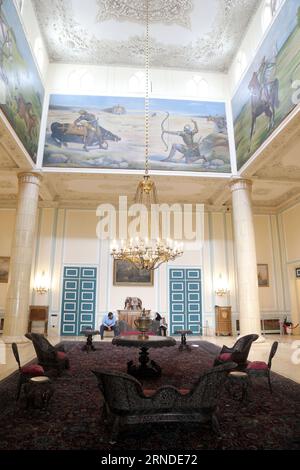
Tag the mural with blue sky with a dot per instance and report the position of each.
(21, 88)
(265, 96)
(109, 132)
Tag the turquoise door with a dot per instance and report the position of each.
(78, 299)
(185, 300)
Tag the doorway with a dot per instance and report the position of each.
(78, 299)
(185, 300)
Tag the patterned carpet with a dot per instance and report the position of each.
(72, 420)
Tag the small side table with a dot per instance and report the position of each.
(89, 339)
(240, 380)
(38, 392)
(183, 343)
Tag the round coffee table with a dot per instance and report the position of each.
(136, 341)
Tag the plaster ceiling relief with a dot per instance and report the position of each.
(172, 11)
(184, 34)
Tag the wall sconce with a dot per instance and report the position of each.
(41, 285)
(222, 288)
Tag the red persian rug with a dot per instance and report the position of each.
(72, 420)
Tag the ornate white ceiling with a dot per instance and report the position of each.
(188, 34)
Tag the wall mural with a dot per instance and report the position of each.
(265, 96)
(21, 90)
(109, 132)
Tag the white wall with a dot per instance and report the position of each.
(98, 80)
(289, 226)
(7, 223)
(68, 237)
(33, 34)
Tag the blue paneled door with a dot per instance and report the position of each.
(185, 300)
(78, 299)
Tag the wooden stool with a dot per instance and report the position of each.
(240, 379)
(38, 392)
(183, 343)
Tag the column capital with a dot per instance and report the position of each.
(238, 182)
(32, 177)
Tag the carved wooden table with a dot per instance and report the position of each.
(89, 333)
(183, 344)
(135, 341)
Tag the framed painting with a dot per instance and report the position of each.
(4, 268)
(126, 274)
(263, 275)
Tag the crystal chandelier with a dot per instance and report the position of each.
(144, 253)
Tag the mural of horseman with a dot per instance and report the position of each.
(85, 129)
(264, 88)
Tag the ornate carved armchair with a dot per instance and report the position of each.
(125, 401)
(49, 357)
(238, 353)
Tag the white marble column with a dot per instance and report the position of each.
(17, 302)
(245, 251)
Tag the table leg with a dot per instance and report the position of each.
(89, 344)
(144, 370)
(183, 344)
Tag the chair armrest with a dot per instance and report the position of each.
(60, 347)
(226, 349)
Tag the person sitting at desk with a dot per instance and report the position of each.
(109, 323)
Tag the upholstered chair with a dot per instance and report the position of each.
(238, 353)
(263, 369)
(50, 357)
(25, 372)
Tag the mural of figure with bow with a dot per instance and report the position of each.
(189, 149)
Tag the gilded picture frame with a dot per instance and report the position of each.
(126, 274)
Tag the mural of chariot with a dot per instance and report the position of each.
(266, 93)
(21, 89)
(108, 132)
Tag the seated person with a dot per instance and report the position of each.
(163, 327)
(157, 317)
(109, 323)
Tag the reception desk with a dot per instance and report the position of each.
(130, 315)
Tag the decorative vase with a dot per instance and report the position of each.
(143, 324)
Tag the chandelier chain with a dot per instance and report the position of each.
(147, 91)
